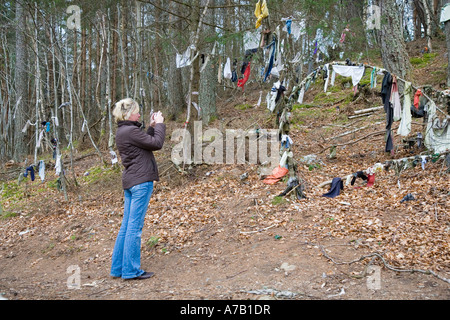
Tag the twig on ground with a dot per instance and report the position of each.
(259, 230)
(388, 266)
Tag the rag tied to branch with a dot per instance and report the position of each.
(261, 12)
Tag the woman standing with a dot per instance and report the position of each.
(136, 151)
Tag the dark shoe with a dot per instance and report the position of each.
(145, 275)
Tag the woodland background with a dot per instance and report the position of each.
(128, 48)
(217, 231)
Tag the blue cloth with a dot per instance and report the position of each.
(288, 25)
(234, 76)
(272, 57)
(31, 170)
(126, 257)
(336, 186)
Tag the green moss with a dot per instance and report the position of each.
(302, 106)
(100, 173)
(7, 214)
(278, 201)
(153, 241)
(12, 192)
(244, 106)
(420, 62)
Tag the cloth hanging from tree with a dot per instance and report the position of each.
(445, 13)
(395, 100)
(261, 12)
(241, 82)
(417, 96)
(344, 33)
(405, 125)
(272, 46)
(327, 77)
(41, 167)
(356, 72)
(386, 90)
(227, 69)
(437, 136)
(288, 26)
(183, 60)
(31, 170)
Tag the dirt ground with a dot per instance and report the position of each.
(211, 234)
(222, 238)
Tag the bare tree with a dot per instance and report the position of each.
(20, 83)
(393, 50)
(447, 38)
(208, 75)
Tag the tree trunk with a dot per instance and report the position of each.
(175, 92)
(20, 84)
(208, 76)
(447, 38)
(195, 17)
(124, 48)
(428, 17)
(393, 50)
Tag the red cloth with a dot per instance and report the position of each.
(417, 98)
(370, 180)
(241, 82)
(277, 174)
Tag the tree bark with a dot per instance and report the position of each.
(428, 17)
(447, 38)
(176, 91)
(208, 76)
(20, 83)
(393, 50)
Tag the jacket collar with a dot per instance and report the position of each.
(129, 123)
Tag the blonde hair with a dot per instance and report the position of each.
(125, 108)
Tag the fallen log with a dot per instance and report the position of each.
(368, 110)
(353, 131)
(354, 141)
(361, 115)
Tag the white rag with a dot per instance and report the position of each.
(445, 13)
(227, 69)
(183, 60)
(356, 72)
(405, 125)
(327, 69)
(301, 95)
(58, 165)
(42, 170)
(437, 136)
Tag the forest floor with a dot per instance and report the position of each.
(210, 234)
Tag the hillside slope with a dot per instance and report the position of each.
(212, 234)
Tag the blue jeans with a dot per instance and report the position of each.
(126, 257)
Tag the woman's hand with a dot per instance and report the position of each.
(156, 118)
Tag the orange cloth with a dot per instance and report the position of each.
(277, 174)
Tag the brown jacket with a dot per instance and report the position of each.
(135, 148)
